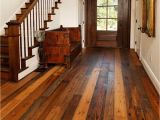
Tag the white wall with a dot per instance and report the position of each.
(8, 9)
(56, 19)
(150, 49)
(69, 13)
(80, 12)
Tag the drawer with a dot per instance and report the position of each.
(58, 50)
(55, 58)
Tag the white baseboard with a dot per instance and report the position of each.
(152, 76)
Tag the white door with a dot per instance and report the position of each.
(83, 23)
(82, 19)
(138, 24)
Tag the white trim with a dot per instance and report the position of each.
(152, 76)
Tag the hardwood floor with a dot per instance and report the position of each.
(103, 83)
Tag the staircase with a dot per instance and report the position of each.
(18, 41)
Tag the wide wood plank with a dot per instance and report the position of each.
(120, 110)
(19, 98)
(71, 108)
(26, 103)
(65, 97)
(82, 109)
(10, 87)
(103, 83)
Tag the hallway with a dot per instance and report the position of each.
(103, 83)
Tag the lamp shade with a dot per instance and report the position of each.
(39, 35)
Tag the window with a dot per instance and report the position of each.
(107, 13)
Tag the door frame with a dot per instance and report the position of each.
(123, 33)
(137, 30)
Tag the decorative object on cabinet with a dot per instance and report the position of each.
(40, 37)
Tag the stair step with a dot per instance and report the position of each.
(18, 16)
(4, 49)
(41, 28)
(51, 13)
(53, 8)
(22, 69)
(4, 60)
(6, 30)
(31, 1)
(59, 1)
(27, 5)
(56, 5)
(48, 20)
(4, 68)
(5, 73)
(4, 63)
(3, 56)
(4, 39)
(26, 58)
(23, 10)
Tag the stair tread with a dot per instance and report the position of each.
(4, 56)
(3, 35)
(51, 13)
(26, 58)
(3, 45)
(48, 20)
(4, 69)
(22, 69)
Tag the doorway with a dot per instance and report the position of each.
(108, 23)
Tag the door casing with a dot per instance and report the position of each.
(123, 33)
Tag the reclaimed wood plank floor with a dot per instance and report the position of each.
(103, 84)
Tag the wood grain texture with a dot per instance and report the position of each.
(19, 98)
(102, 84)
(82, 109)
(26, 104)
(120, 111)
(10, 87)
(71, 107)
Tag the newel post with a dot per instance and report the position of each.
(14, 58)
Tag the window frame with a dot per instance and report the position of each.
(107, 18)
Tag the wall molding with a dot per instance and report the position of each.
(151, 74)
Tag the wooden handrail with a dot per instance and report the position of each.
(27, 11)
(20, 32)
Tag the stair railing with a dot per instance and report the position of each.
(20, 32)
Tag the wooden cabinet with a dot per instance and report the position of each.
(62, 45)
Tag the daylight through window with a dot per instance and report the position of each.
(107, 13)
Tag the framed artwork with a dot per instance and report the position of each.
(148, 17)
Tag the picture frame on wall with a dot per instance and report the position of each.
(148, 18)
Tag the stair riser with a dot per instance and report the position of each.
(53, 10)
(6, 31)
(27, 5)
(49, 17)
(18, 16)
(23, 11)
(4, 50)
(56, 4)
(4, 76)
(4, 40)
(4, 62)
